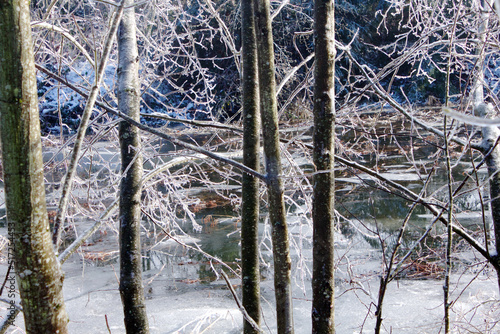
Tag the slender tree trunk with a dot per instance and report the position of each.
(38, 272)
(483, 7)
(490, 134)
(277, 213)
(250, 184)
(447, 304)
(131, 287)
(323, 182)
(490, 137)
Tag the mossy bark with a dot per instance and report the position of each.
(39, 275)
(323, 157)
(277, 214)
(250, 184)
(131, 287)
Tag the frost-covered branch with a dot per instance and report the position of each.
(68, 180)
(397, 106)
(67, 35)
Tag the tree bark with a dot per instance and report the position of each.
(323, 213)
(274, 182)
(39, 275)
(490, 137)
(490, 133)
(131, 287)
(250, 184)
(484, 11)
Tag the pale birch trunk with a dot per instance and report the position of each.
(131, 287)
(39, 275)
(478, 84)
(490, 133)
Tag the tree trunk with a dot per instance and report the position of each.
(490, 134)
(38, 272)
(131, 288)
(323, 182)
(277, 214)
(250, 184)
(490, 137)
(484, 10)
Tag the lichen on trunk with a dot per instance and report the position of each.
(35, 262)
(323, 284)
(131, 287)
(274, 182)
(250, 184)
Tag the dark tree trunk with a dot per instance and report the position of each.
(323, 157)
(250, 184)
(277, 214)
(39, 275)
(131, 288)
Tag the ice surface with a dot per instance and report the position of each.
(188, 306)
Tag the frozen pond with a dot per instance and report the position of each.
(185, 295)
(178, 305)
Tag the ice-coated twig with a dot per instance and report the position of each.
(82, 129)
(67, 35)
(196, 249)
(239, 304)
(472, 120)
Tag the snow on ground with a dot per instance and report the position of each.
(189, 306)
(181, 299)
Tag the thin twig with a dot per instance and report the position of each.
(9, 320)
(107, 324)
(67, 35)
(164, 135)
(197, 249)
(192, 147)
(6, 276)
(393, 103)
(82, 129)
(240, 305)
